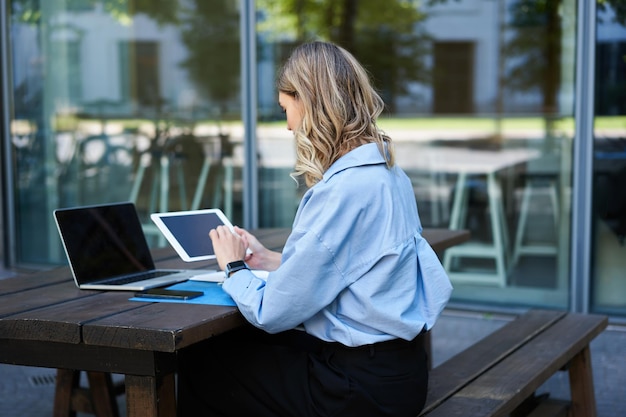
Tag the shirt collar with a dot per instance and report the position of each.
(367, 154)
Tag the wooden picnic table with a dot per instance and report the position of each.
(46, 321)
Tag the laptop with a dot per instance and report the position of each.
(107, 250)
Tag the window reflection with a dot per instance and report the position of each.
(480, 104)
(140, 100)
(117, 101)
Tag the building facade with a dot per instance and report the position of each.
(509, 117)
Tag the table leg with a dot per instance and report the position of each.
(459, 200)
(457, 215)
(202, 178)
(149, 396)
(498, 227)
(66, 382)
(103, 394)
(581, 385)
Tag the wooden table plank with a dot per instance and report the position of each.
(163, 327)
(34, 298)
(442, 239)
(62, 322)
(29, 281)
(86, 357)
(499, 390)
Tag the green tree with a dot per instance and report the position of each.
(163, 11)
(536, 46)
(210, 31)
(537, 39)
(387, 38)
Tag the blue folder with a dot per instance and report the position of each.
(213, 294)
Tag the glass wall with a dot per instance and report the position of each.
(125, 100)
(480, 102)
(609, 164)
(141, 101)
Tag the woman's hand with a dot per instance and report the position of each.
(258, 257)
(228, 246)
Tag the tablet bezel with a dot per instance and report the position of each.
(157, 218)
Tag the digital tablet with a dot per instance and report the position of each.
(188, 231)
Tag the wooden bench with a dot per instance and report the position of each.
(499, 375)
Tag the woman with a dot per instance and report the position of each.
(336, 329)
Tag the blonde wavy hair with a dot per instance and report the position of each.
(340, 107)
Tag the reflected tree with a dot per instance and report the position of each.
(211, 34)
(387, 38)
(162, 11)
(535, 48)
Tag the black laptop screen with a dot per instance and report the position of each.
(103, 241)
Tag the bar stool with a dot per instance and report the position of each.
(534, 188)
(541, 181)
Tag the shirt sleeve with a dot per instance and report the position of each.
(307, 281)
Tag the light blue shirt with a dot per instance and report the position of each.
(355, 268)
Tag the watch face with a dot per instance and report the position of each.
(234, 267)
(236, 264)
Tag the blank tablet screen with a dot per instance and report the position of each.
(188, 232)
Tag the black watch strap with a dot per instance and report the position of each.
(233, 267)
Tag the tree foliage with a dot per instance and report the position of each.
(163, 11)
(387, 38)
(211, 34)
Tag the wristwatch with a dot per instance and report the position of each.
(233, 267)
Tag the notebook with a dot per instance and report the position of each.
(107, 250)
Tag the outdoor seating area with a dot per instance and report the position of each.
(91, 328)
(499, 193)
(512, 361)
(188, 184)
(453, 177)
(29, 392)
